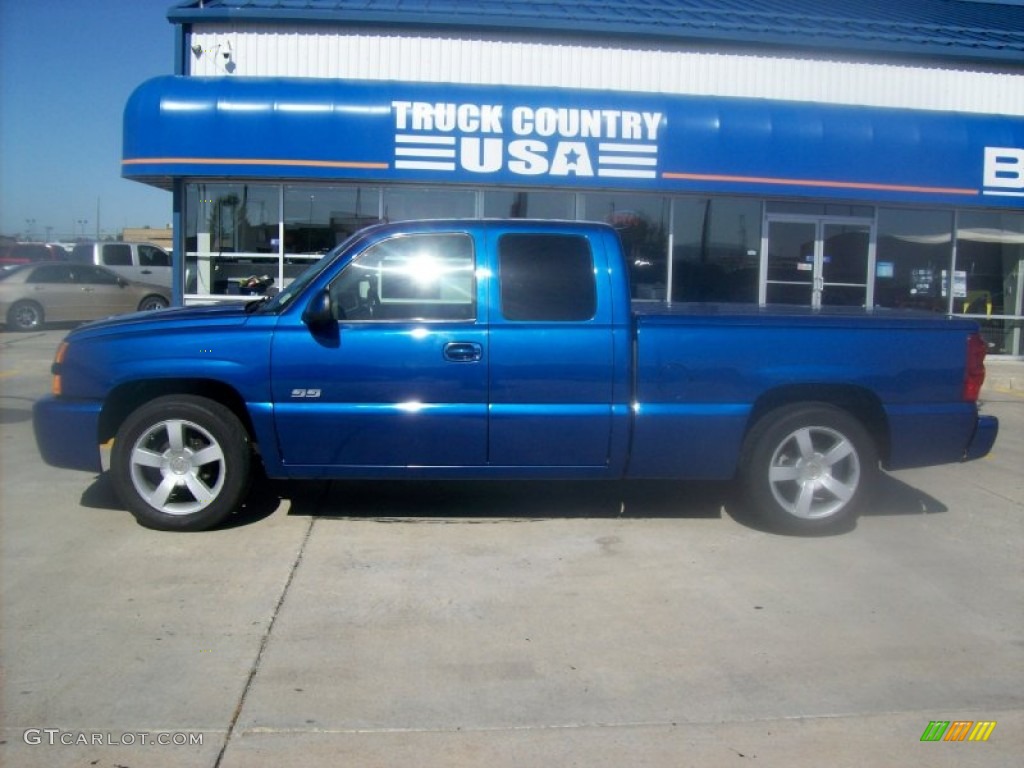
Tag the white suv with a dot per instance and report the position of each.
(141, 262)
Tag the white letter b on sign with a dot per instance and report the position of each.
(1004, 167)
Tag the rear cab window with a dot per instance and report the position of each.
(546, 278)
(151, 256)
(117, 255)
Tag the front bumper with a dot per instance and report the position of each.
(983, 439)
(67, 432)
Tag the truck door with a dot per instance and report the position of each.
(403, 381)
(551, 353)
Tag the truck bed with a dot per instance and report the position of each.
(704, 371)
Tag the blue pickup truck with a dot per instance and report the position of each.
(508, 349)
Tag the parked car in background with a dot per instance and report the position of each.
(29, 253)
(55, 291)
(144, 262)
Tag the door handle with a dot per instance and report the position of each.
(463, 352)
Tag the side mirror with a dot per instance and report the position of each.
(317, 313)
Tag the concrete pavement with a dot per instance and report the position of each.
(1005, 375)
(542, 624)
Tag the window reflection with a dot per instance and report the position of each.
(642, 222)
(413, 277)
(405, 203)
(715, 257)
(229, 238)
(237, 242)
(521, 204)
(989, 277)
(912, 259)
(317, 218)
(233, 233)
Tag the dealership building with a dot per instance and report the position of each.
(809, 152)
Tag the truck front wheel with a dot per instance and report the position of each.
(181, 463)
(808, 468)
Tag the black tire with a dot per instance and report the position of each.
(181, 463)
(153, 302)
(25, 316)
(808, 468)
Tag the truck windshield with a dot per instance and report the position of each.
(298, 285)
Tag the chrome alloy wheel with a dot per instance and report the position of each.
(814, 472)
(177, 467)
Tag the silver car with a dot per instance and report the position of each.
(57, 292)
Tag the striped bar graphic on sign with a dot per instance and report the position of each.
(935, 731)
(958, 730)
(982, 730)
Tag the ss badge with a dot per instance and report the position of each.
(308, 394)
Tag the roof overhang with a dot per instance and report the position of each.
(938, 30)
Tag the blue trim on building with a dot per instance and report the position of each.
(180, 41)
(938, 29)
(277, 129)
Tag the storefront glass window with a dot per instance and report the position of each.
(715, 254)
(821, 209)
(230, 237)
(642, 222)
(317, 218)
(522, 204)
(912, 259)
(989, 276)
(404, 203)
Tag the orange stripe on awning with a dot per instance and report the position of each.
(252, 161)
(821, 183)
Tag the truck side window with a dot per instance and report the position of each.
(409, 277)
(546, 277)
(150, 256)
(116, 255)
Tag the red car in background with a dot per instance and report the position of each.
(30, 253)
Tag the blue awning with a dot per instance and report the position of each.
(299, 129)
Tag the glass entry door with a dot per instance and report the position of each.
(816, 261)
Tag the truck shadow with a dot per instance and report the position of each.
(451, 501)
(530, 501)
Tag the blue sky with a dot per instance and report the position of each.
(67, 68)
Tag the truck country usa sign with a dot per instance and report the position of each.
(353, 131)
(526, 140)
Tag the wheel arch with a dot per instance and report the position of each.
(861, 403)
(127, 397)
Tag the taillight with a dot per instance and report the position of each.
(974, 376)
(58, 359)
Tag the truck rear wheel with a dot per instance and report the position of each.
(181, 463)
(808, 468)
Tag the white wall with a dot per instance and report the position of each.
(337, 52)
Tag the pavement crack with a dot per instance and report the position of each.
(264, 642)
